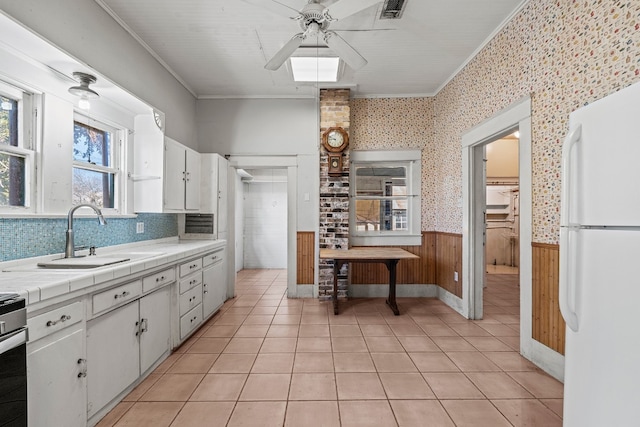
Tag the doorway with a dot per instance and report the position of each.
(474, 146)
(501, 286)
(264, 209)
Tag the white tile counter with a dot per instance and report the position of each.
(43, 286)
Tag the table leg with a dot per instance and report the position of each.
(391, 302)
(336, 270)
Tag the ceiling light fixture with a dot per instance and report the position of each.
(315, 69)
(84, 91)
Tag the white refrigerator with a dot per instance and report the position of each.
(600, 262)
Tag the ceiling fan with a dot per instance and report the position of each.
(315, 19)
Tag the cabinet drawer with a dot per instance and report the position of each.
(212, 258)
(159, 279)
(190, 321)
(190, 267)
(190, 282)
(190, 299)
(116, 296)
(54, 320)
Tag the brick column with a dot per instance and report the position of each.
(334, 192)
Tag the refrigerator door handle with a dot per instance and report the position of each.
(567, 265)
(572, 138)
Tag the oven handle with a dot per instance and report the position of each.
(13, 340)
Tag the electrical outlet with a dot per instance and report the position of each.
(139, 227)
(455, 276)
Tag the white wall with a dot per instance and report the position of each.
(265, 219)
(85, 31)
(257, 126)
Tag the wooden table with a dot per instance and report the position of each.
(386, 256)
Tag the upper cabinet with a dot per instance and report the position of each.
(182, 177)
(166, 173)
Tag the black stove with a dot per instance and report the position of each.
(13, 361)
(10, 302)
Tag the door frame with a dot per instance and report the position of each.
(273, 162)
(516, 116)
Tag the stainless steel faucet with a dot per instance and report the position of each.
(69, 247)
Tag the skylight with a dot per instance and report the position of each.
(314, 69)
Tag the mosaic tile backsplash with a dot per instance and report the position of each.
(25, 237)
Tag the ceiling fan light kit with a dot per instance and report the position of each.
(315, 20)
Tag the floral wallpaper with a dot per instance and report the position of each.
(563, 54)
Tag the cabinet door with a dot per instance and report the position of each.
(192, 183)
(174, 175)
(223, 195)
(155, 335)
(112, 355)
(214, 288)
(56, 392)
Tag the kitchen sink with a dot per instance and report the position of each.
(82, 262)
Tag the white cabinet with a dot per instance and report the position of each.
(155, 328)
(125, 343)
(182, 177)
(214, 191)
(214, 283)
(166, 173)
(56, 369)
(112, 355)
(202, 289)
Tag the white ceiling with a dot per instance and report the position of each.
(218, 48)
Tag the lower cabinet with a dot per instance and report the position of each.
(123, 344)
(214, 289)
(56, 379)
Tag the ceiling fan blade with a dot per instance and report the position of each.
(285, 52)
(275, 7)
(344, 8)
(344, 50)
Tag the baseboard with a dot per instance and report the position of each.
(402, 291)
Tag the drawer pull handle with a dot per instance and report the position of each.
(205, 292)
(122, 295)
(193, 266)
(161, 278)
(62, 318)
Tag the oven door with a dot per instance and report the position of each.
(13, 378)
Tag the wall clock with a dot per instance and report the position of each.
(335, 139)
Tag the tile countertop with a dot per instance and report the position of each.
(37, 285)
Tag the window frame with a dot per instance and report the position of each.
(117, 160)
(27, 120)
(412, 161)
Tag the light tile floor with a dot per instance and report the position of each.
(265, 360)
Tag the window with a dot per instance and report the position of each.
(95, 163)
(16, 156)
(385, 198)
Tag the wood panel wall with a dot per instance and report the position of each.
(409, 271)
(306, 257)
(547, 323)
(449, 260)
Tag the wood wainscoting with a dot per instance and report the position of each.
(548, 326)
(440, 256)
(409, 272)
(449, 260)
(306, 257)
